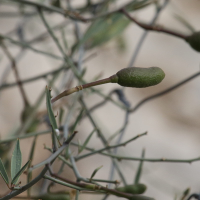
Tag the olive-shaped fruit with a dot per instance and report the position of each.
(133, 189)
(138, 197)
(138, 77)
(194, 41)
(54, 196)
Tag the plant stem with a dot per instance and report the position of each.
(164, 91)
(110, 147)
(93, 187)
(152, 27)
(14, 67)
(81, 87)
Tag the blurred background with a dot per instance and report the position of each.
(172, 120)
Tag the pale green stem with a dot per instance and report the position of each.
(111, 79)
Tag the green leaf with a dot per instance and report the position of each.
(29, 175)
(15, 179)
(185, 194)
(61, 113)
(49, 110)
(77, 120)
(86, 141)
(95, 171)
(16, 160)
(103, 30)
(139, 170)
(51, 118)
(3, 172)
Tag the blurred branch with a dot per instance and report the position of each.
(26, 45)
(102, 137)
(119, 158)
(152, 27)
(93, 187)
(164, 92)
(72, 14)
(143, 36)
(14, 67)
(4, 86)
(110, 147)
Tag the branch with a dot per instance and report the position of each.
(152, 27)
(110, 147)
(164, 92)
(93, 187)
(14, 67)
(4, 86)
(26, 45)
(72, 14)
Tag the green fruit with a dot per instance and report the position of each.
(133, 189)
(194, 41)
(138, 77)
(140, 198)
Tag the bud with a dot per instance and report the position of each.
(138, 77)
(133, 189)
(194, 41)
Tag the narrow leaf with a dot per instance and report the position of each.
(61, 113)
(86, 141)
(79, 145)
(49, 110)
(16, 160)
(15, 179)
(77, 120)
(139, 170)
(3, 172)
(103, 30)
(51, 118)
(95, 171)
(29, 175)
(185, 194)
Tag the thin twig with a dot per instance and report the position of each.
(153, 28)
(144, 35)
(164, 92)
(26, 45)
(14, 67)
(102, 137)
(8, 85)
(93, 187)
(72, 14)
(110, 147)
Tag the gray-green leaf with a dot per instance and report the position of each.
(51, 118)
(86, 142)
(49, 110)
(95, 171)
(103, 30)
(3, 172)
(139, 170)
(15, 179)
(16, 160)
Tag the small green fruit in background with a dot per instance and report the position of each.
(133, 189)
(194, 41)
(138, 77)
